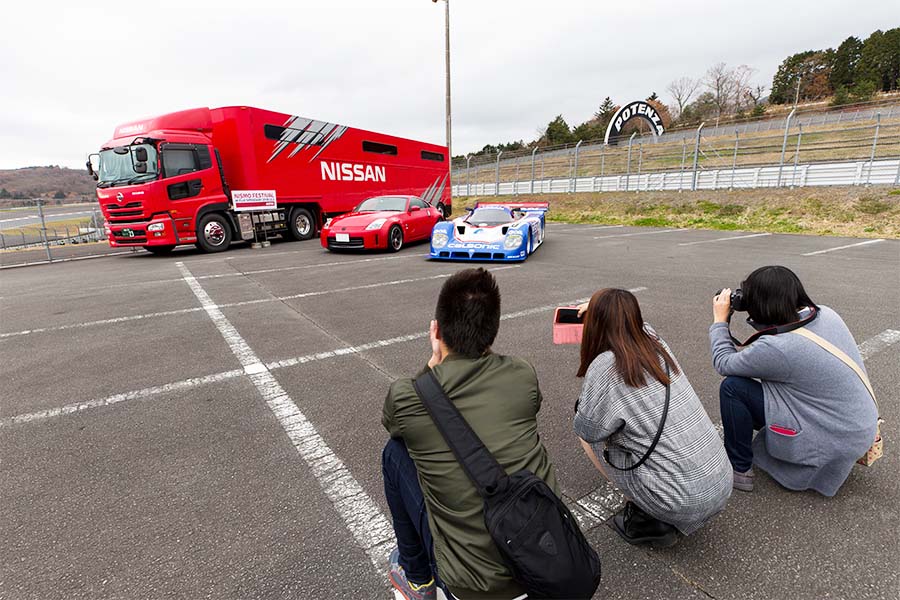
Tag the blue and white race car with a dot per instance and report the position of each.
(501, 231)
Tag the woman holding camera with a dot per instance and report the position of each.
(815, 416)
(643, 427)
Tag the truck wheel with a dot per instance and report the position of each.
(213, 233)
(301, 224)
(159, 250)
(395, 238)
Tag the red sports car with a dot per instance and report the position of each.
(386, 222)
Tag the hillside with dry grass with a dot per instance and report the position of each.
(51, 183)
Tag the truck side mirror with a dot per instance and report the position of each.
(90, 166)
(140, 167)
(140, 154)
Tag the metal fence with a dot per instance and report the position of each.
(807, 150)
(48, 236)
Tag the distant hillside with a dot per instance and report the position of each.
(52, 183)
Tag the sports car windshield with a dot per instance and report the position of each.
(490, 216)
(379, 203)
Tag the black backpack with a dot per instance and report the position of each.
(536, 535)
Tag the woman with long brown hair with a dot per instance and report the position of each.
(643, 427)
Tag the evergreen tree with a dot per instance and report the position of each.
(879, 60)
(785, 80)
(558, 132)
(846, 59)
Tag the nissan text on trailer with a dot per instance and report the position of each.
(178, 178)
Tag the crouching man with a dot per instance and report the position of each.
(437, 513)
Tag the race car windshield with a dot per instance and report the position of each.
(380, 203)
(490, 216)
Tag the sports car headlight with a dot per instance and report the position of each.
(376, 224)
(513, 240)
(439, 239)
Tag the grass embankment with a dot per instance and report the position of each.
(852, 212)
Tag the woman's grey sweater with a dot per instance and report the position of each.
(811, 391)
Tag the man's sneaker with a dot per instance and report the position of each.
(637, 527)
(743, 481)
(408, 589)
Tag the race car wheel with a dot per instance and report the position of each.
(214, 233)
(301, 224)
(395, 238)
(159, 250)
(530, 245)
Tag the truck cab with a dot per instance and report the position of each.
(155, 188)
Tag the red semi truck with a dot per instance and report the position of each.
(173, 179)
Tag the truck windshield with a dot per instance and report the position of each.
(118, 169)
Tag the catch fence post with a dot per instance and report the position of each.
(497, 187)
(734, 159)
(787, 127)
(696, 157)
(531, 187)
(542, 173)
(468, 176)
(574, 186)
(602, 164)
(640, 165)
(2, 242)
(874, 146)
(628, 168)
(516, 183)
(797, 153)
(683, 159)
(40, 204)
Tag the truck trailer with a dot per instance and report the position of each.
(174, 179)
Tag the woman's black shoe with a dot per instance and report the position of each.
(637, 527)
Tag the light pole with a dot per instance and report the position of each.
(447, 67)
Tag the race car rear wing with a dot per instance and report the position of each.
(529, 207)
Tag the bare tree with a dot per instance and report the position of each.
(682, 90)
(719, 80)
(756, 92)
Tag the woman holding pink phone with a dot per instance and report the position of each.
(643, 427)
(794, 381)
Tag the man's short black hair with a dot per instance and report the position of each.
(468, 312)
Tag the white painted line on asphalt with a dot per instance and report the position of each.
(64, 260)
(725, 239)
(181, 311)
(279, 364)
(68, 409)
(874, 345)
(867, 242)
(373, 532)
(618, 235)
(586, 228)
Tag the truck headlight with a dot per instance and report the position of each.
(376, 224)
(439, 239)
(513, 240)
(156, 227)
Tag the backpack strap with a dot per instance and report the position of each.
(840, 354)
(485, 473)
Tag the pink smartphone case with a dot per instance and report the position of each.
(566, 333)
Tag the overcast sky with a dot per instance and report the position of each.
(71, 71)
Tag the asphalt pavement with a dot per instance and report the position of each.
(208, 426)
(13, 219)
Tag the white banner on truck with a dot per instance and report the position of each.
(254, 200)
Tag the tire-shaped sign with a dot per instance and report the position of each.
(634, 110)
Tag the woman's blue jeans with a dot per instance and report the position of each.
(743, 412)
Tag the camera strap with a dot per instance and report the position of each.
(776, 329)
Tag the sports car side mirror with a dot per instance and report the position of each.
(413, 209)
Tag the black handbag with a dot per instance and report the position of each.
(535, 533)
(662, 423)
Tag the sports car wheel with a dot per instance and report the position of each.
(443, 210)
(395, 238)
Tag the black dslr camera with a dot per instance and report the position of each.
(737, 299)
